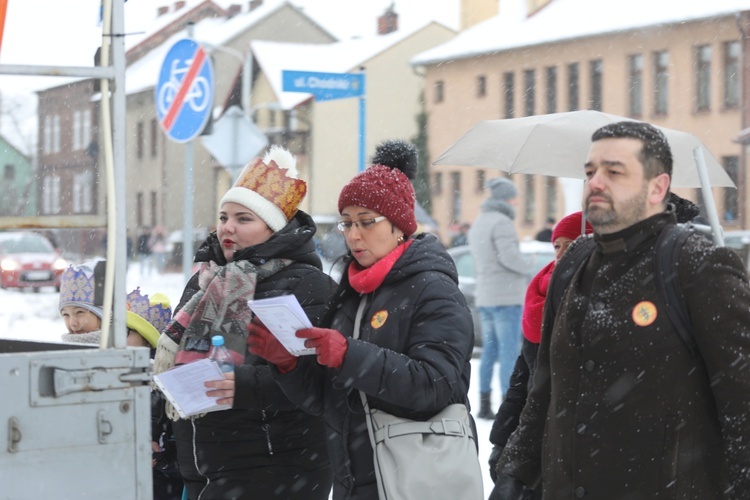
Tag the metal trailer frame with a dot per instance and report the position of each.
(77, 419)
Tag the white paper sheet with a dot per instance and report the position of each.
(283, 316)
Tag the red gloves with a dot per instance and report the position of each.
(262, 343)
(330, 345)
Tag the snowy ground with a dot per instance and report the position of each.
(34, 316)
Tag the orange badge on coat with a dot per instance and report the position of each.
(379, 319)
(644, 313)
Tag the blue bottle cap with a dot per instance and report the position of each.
(217, 340)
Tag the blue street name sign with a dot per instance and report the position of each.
(185, 91)
(324, 86)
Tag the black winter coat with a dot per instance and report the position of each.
(622, 409)
(412, 359)
(265, 446)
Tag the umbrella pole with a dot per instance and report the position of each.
(708, 197)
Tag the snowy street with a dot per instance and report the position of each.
(30, 316)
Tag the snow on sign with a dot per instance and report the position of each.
(184, 92)
(324, 86)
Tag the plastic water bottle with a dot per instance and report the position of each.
(221, 354)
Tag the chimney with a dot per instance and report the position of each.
(254, 4)
(233, 10)
(388, 22)
(160, 11)
(179, 4)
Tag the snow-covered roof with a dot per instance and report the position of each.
(144, 73)
(338, 57)
(569, 19)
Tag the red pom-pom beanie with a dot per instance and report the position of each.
(385, 190)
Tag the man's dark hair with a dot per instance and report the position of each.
(656, 155)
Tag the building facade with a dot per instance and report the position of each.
(681, 73)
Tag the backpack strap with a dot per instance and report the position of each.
(566, 268)
(668, 248)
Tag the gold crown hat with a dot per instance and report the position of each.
(77, 288)
(270, 188)
(147, 316)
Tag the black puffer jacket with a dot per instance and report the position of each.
(412, 359)
(265, 445)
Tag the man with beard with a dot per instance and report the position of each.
(621, 406)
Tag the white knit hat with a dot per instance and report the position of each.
(270, 188)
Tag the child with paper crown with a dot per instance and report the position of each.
(264, 446)
(81, 302)
(146, 317)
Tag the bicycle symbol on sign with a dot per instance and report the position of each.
(197, 96)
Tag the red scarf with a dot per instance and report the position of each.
(368, 279)
(536, 294)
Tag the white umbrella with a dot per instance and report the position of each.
(557, 145)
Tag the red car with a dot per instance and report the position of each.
(28, 260)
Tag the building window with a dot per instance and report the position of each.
(139, 140)
(139, 209)
(597, 68)
(731, 74)
(439, 91)
(481, 86)
(731, 199)
(635, 85)
(703, 78)
(51, 194)
(9, 173)
(551, 197)
(509, 92)
(529, 90)
(552, 89)
(529, 200)
(82, 193)
(154, 210)
(661, 77)
(455, 196)
(47, 144)
(77, 130)
(56, 134)
(86, 129)
(437, 187)
(573, 86)
(481, 179)
(154, 138)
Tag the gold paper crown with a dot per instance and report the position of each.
(278, 194)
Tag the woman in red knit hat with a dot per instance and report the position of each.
(412, 355)
(506, 420)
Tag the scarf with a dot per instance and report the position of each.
(533, 306)
(83, 338)
(218, 308)
(367, 280)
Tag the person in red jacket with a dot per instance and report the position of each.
(506, 419)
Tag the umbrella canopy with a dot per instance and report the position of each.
(557, 145)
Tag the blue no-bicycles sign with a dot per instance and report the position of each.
(185, 91)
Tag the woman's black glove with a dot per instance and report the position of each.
(494, 458)
(507, 488)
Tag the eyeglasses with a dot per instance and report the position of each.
(363, 224)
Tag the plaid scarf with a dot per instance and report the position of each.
(218, 308)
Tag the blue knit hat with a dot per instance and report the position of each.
(78, 288)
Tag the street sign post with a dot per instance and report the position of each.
(328, 86)
(184, 103)
(235, 140)
(185, 91)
